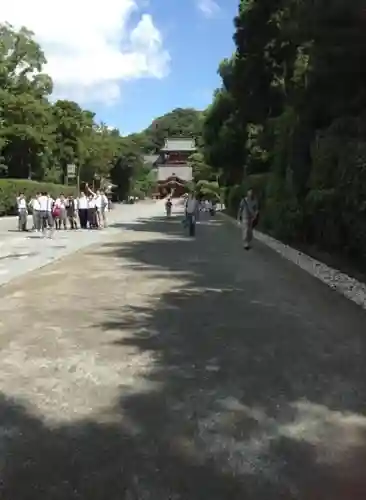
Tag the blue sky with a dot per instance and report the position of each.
(130, 61)
(196, 44)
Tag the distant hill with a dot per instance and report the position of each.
(181, 122)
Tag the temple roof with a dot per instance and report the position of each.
(179, 144)
(183, 172)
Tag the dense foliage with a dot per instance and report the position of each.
(291, 112)
(39, 138)
(181, 122)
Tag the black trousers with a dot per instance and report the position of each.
(83, 217)
(92, 217)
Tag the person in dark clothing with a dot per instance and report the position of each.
(92, 213)
(71, 212)
(168, 207)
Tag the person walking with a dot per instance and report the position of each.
(248, 217)
(191, 211)
(168, 207)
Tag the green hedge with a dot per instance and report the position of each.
(10, 189)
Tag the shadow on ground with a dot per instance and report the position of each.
(258, 387)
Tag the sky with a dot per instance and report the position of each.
(130, 61)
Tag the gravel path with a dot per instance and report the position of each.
(21, 253)
(158, 367)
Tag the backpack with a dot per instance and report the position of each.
(56, 211)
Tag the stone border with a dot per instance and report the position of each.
(340, 282)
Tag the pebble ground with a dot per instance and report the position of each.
(154, 366)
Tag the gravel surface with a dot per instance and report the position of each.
(340, 282)
(154, 366)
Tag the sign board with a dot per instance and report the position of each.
(71, 170)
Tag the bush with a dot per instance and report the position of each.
(234, 196)
(210, 189)
(284, 219)
(10, 189)
(282, 215)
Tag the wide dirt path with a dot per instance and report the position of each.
(24, 252)
(159, 367)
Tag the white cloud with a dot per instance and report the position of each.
(209, 8)
(90, 46)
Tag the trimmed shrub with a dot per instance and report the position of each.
(10, 189)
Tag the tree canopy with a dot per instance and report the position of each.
(180, 122)
(289, 117)
(39, 138)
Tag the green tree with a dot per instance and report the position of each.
(201, 171)
(25, 111)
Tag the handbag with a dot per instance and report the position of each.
(255, 219)
(56, 211)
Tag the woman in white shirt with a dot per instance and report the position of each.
(59, 212)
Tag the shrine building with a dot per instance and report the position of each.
(173, 171)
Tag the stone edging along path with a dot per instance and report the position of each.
(351, 288)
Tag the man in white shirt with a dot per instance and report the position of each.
(92, 212)
(22, 212)
(97, 201)
(191, 209)
(34, 204)
(45, 212)
(82, 205)
(102, 208)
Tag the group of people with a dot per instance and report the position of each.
(248, 215)
(88, 211)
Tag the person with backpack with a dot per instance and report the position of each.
(59, 212)
(248, 216)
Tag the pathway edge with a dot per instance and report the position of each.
(342, 283)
